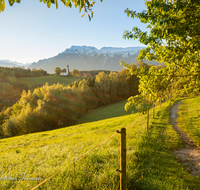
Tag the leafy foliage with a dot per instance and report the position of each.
(93, 73)
(11, 90)
(86, 5)
(50, 107)
(174, 34)
(174, 41)
(19, 72)
(75, 72)
(57, 70)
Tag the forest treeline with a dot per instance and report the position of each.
(22, 72)
(55, 106)
(12, 90)
(95, 72)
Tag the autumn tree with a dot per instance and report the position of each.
(174, 41)
(173, 38)
(57, 70)
(76, 72)
(90, 81)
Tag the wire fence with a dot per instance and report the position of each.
(86, 154)
(110, 180)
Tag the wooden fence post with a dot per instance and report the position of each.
(123, 159)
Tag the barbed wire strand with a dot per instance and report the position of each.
(110, 181)
(91, 150)
(45, 180)
(81, 157)
(102, 142)
(74, 161)
(94, 147)
(134, 121)
(116, 170)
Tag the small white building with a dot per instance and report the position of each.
(65, 71)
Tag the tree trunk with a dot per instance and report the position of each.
(147, 120)
(160, 102)
(153, 111)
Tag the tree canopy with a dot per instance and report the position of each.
(174, 41)
(76, 72)
(57, 70)
(174, 32)
(49, 107)
(86, 5)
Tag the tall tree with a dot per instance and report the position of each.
(57, 70)
(173, 40)
(174, 31)
(76, 72)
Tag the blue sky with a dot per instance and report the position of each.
(30, 31)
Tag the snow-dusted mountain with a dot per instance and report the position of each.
(89, 58)
(106, 51)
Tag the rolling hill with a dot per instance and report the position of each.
(69, 158)
(30, 81)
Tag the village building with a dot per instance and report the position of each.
(85, 75)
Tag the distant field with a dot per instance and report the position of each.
(151, 164)
(30, 81)
(113, 110)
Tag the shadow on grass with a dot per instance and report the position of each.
(154, 165)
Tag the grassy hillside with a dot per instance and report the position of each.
(150, 162)
(113, 110)
(30, 81)
(189, 118)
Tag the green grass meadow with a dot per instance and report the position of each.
(189, 118)
(151, 164)
(30, 81)
(109, 111)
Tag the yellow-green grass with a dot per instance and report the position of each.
(30, 81)
(189, 118)
(109, 111)
(150, 162)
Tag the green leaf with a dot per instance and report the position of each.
(56, 4)
(89, 17)
(49, 4)
(11, 2)
(2, 5)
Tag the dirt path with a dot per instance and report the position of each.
(190, 154)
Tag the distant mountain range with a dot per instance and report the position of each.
(90, 58)
(86, 58)
(8, 63)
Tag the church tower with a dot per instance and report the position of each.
(67, 72)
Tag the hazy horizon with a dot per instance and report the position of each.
(32, 32)
(14, 61)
